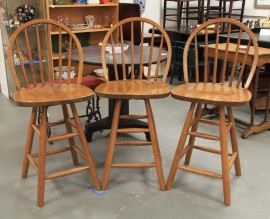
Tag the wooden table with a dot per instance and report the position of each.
(264, 57)
(92, 56)
(183, 33)
(180, 34)
(263, 40)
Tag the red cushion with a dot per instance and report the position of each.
(88, 81)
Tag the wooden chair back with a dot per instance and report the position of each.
(31, 57)
(223, 57)
(130, 64)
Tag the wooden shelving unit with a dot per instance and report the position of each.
(84, 5)
(76, 15)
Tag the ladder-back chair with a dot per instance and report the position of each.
(233, 59)
(177, 60)
(225, 9)
(37, 86)
(128, 80)
(179, 10)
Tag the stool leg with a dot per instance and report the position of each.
(179, 14)
(97, 111)
(85, 147)
(173, 73)
(193, 129)
(29, 142)
(207, 10)
(155, 146)
(230, 9)
(42, 157)
(111, 145)
(178, 153)
(93, 109)
(224, 157)
(187, 13)
(89, 111)
(164, 13)
(234, 143)
(69, 130)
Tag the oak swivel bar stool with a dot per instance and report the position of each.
(220, 93)
(135, 84)
(37, 87)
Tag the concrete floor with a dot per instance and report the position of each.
(133, 193)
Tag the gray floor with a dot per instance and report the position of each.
(133, 193)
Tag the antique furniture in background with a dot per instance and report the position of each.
(225, 9)
(74, 16)
(260, 86)
(187, 10)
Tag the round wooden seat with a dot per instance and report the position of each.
(133, 89)
(52, 94)
(208, 93)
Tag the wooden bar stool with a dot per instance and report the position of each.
(38, 87)
(136, 84)
(214, 90)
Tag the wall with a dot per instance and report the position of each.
(251, 11)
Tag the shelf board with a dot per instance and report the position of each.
(56, 56)
(28, 62)
(84, 5)
(84, 31)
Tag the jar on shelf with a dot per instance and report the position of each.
(108, 19)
